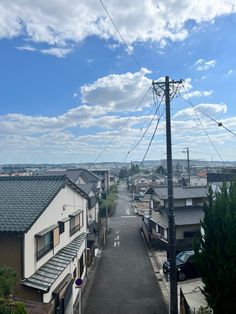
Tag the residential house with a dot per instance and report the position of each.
(90, 184)
(104, 176)
(188, 205)
(114, 178)
(215, 180)
(142, 182)
(43, 231)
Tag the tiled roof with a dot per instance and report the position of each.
(74, 174)
(23, 199)
(87, 188)
(47, 274)
(220, 177)
(182, 192)
(186, 215)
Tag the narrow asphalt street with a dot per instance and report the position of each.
(125, 282)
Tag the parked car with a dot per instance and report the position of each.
(136, 197)
(185, 266)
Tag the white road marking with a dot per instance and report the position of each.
(128, 216)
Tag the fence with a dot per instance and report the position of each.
(184, 307)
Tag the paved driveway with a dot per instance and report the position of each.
(125, 282)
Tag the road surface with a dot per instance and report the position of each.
(124, 282)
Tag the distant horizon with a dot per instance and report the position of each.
(117, 162)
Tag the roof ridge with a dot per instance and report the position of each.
(43, 177)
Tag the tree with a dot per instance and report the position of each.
(161, 170)
(134, 169)
(215, 250)
(8, 280)
(123, 173)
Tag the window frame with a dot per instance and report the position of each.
(76, 222)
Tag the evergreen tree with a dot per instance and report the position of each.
(215, 251)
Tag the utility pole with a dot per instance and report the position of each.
(188, 164)
(165, 87)
(107, 213)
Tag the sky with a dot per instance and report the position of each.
(74, 89)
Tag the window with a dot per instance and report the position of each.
(190, 234)
(44, 244)
(76, 222)
(46, 240)
(161, 230)
(81, 265)
(61, 227)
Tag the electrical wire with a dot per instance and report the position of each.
(122, 126)
(154, 115)
(197, 115)
(121, 37)
(153, 135)
(220, 124)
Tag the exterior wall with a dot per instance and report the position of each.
(177, 203)
(181, 229)
(104, 176)
(80, 180)
(11, 248)
(65, 203)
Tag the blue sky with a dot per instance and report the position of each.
(68, 84)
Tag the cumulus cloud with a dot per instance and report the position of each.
(207, 108)
(108, 109)
(203, 65)
(118, 92)
(60, 23)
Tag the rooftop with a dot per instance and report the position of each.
(180, 192)
(23, 199)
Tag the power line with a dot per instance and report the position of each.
(153, 135)
(220, 124)
(121, 37)
(208, 136)
(154, 115)
(122, 126)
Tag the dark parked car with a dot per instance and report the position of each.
(186, 267)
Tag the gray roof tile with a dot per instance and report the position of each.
(23, 199)
(182, 192)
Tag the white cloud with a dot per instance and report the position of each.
(107, 111)
(60, 23)
(26, 47)
(207, 108)
(198, 93)
(56, 51)
(118, 92)
(203, 65)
